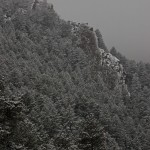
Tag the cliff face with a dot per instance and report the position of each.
(114, 63)
(105, 57)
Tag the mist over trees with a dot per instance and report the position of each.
(55, 94)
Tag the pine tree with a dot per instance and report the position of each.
(101, 43)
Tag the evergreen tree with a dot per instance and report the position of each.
(101, 43)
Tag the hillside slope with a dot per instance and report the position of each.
(61, 89)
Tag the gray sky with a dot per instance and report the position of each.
(124, 24)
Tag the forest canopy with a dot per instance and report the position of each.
(57, 91)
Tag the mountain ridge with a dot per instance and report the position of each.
(60, 87)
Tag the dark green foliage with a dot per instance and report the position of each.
(17, 131)
(123, 59)
(101, 43)
(54, 93)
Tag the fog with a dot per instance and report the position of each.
(124, 24)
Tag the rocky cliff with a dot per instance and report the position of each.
(105, 58)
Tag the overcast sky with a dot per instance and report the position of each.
(124, 24)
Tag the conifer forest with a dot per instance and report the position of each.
(61, 88)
